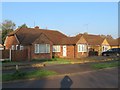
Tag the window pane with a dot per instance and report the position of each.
(13, 47)
(21, 47)
(47, 48)
(36, 48)
(42, 48)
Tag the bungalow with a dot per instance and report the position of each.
(72, 47)
(42, 43)
(96, 43)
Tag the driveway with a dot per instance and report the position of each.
(106, 78)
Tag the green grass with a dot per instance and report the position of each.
(105, 65)
(27, 75)
(58, 61)
(53, 61)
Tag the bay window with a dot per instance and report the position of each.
(42, 48)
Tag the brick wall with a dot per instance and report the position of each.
(9, 41)
(80, 54)
(41, 40)
(70, 51)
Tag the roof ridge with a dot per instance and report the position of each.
(14, 32)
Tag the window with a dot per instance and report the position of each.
(42, 48)
(12, 48)
(105, 48)
(16, 47)
(47, 48)
(21, 47)
(82, 48)
(36, 48)
(56, 48)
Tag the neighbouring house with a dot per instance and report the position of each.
(96, 43)
(71, 47)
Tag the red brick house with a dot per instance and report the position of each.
(42, 43)
(72, 47)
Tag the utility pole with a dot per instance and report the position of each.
(34, 23)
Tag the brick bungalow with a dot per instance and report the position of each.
(42, 43)
(96, 43)
(72, 47)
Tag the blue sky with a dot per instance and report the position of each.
(69, 18)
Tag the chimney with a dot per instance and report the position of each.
(36, 27)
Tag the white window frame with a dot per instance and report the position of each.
(39, 48)
(21, 47)
(13, 47)
(56, 48)
(105, 48)
(47, 48)
(16, 48)
(82, 48)
(36, 48)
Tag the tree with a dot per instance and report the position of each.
(109, 37)
(7, 27)
(85, 33)
(23, 25)
(103, 36)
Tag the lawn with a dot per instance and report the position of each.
(27, 75)
(105, 65)
(58, 61)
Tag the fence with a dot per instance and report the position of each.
(5, 54)
(15, 55)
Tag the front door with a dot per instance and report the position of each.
(64, 50)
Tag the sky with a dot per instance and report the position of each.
(69, 18)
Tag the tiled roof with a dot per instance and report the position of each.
(114, 42)
(71, 40)
(92, 39)
(29, 35)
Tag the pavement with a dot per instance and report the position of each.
(59, 68)
(105, 78)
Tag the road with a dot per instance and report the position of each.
(107, 78)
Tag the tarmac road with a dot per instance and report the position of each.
(106, 78)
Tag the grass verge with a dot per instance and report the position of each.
(105, 65)
(27, 75)
(58, 61)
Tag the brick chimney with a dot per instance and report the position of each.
(36, 27)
